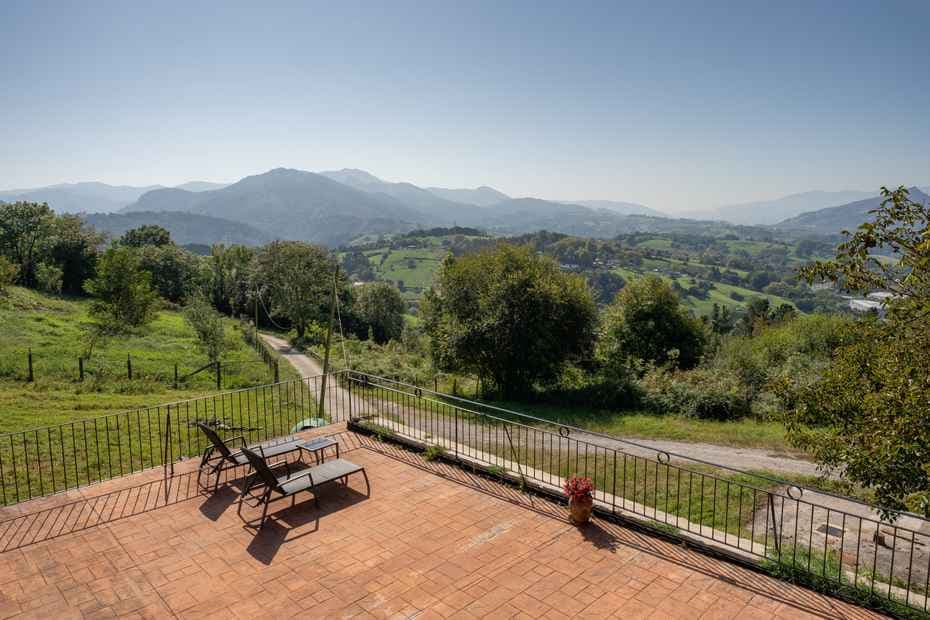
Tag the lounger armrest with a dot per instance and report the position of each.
(232, 439)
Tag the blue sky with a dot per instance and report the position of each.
(679, 105)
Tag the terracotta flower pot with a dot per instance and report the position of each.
(580, 509)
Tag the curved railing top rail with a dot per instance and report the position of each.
(772, 479)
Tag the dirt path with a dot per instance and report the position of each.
(337, 398)
(739, 458)
(305, 365)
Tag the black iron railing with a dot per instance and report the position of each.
(51, 459)
(834, 540)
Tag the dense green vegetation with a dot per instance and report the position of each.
(704, 270)
(868, 412)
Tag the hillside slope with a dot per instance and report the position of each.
(483, 196)
(623, 208)
(293, 204)
(432, 207)
(844, 217)
(773, 211)
(185, 228)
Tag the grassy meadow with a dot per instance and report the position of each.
(53, 328)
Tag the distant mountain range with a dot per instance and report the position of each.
(91, 197)
(849, 216)
(291, 204)
(333, 207)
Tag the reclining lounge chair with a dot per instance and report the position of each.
(292, 484)
(219, 456)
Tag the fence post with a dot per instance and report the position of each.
(129, 366)
(218, 376)
(435, 384)
(81, 367)
(175, 375)
(29, 359)
(276, 380)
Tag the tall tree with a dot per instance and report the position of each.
(868, 415)
(509, 315)
(648, 322)
(380, 308)
(295, 280)
(24, 229)
(74, 247)
(123, 291)
(230, 278)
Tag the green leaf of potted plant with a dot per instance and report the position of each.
(580, 491)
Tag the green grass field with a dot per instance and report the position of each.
(53, 328)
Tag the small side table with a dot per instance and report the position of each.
(317, 447)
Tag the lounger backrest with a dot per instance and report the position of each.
(214, 439)
(261, 468)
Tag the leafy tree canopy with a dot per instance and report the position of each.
(295, 279)
(868, 415)
(509, 315)
(123, 291)
(149, 234)
(648, 322)
(24, 229)
(380, 308)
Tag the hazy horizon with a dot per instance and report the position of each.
(675, 106)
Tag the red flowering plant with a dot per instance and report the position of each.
(578, 487)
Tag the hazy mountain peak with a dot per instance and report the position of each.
(352, 176)
(483, 196)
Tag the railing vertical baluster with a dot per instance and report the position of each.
(39, 463)
(15, 469)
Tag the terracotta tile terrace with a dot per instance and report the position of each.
(432, 541)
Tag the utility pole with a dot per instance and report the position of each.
(256, 313)
(329, 335)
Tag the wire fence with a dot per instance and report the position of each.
(25, 365)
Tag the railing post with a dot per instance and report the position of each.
(175, 375)
(219, 381)
(81, 367)
(351, 417)
(129, 366)
(29, 363)
(169, 453)
(775, 525)
(276, 373)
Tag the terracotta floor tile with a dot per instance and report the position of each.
(432, 541)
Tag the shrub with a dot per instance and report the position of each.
(8, 273)
(699, 393)
(433, 452)
(49, 278)
(208, 324)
